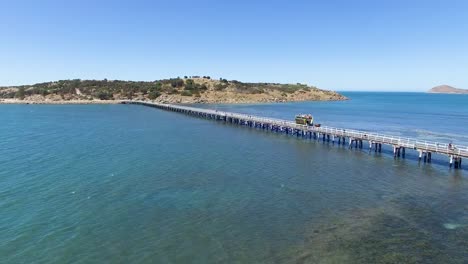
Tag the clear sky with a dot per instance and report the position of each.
(340, 45)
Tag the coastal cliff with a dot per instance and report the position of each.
(192, 89)
(447, 90)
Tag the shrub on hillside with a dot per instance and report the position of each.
(104, 95)
(186, 93)
(20, 93)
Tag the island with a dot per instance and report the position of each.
(189, 89)
(446, 89)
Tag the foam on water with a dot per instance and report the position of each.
(452, 226)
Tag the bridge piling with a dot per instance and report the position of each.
(356, 138)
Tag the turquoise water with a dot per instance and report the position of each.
(131, 184)
(434, 117)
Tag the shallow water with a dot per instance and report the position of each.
(122, 183)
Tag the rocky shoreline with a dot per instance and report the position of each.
(208, 98)
(169, 101)
(228, 97)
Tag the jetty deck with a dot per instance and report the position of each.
(353, 138)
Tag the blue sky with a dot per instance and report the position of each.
(341, 45)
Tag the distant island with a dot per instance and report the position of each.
(446, 89)
(189, 89)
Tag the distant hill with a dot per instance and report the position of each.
(190, 89)
(447, 90)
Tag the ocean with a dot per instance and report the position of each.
(133, 184)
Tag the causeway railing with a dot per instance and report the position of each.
(428, 146)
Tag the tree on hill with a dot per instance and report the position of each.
(155, 91)
(157, 86)
(177, 82)
(189, 84)
(154, 94)
(20, 93)
(103, 95)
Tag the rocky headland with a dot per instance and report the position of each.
(193, 89)
(446, 89)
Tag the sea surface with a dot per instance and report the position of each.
(132, 184)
